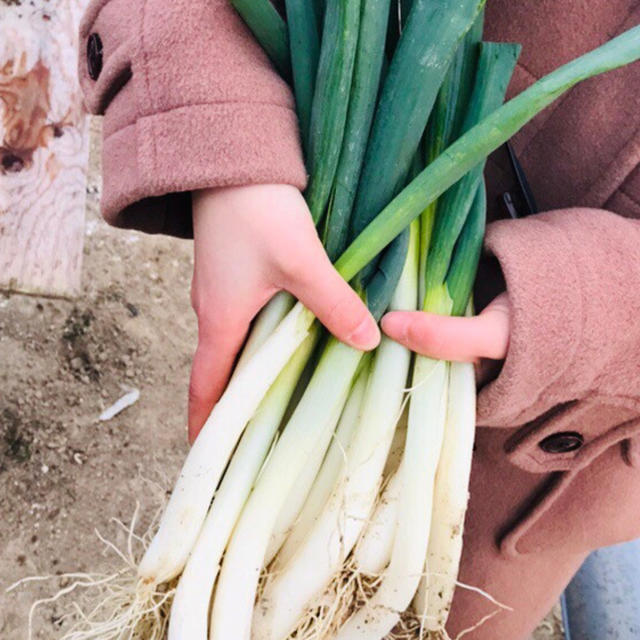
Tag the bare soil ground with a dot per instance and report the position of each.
(64, 474)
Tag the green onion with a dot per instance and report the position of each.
(269, 29)
(466, 255)
(475, 145)
(206, 461)
(244, 556)
(446, 120)
(427, 409)
(468, 52)
(298, 495)
(331, 100)
(495, 67)
(375, 546)
(432, 601)
(427, 45)
(305, 51)
(427, 414)
(329, 473)
(190, 609)
(428, 42)
(327, 544)
(364, 90)
(450, 498)
(453, 99)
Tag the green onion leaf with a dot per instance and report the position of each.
(453, 99)
(495, 68)
(383, 283)
(464, 263)
(427, 45)
(331, 100)
(269, 29)
(305, 51)
(478, 143)
(364, 91)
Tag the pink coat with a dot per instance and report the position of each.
(191, 101)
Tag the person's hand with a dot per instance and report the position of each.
(481, 339)
(249, 243)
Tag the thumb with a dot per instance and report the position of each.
(453, 338)
(338, 307)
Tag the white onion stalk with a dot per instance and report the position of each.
(427, 412)
(238, 581)
(297, 497)
(264, 325)
(451, 496)
(296, 586)
(190, 609)
(373, 551)
(396, 451)
(329, 472)
(287, 596)
(207, 459)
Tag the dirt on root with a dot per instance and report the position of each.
(63, 473)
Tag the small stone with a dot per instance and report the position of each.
(132, 309)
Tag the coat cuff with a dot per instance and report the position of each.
(544, 279)
(190, 101)
(150, 166)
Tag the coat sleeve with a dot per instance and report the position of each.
(190, 101)
(573, 279)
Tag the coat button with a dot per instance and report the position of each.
(94, 56)
(562, 442)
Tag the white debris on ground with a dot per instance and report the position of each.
(120, 405)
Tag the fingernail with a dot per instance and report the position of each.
(366, 335)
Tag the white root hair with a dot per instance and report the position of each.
(115, 605)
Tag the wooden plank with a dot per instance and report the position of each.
(43, 148)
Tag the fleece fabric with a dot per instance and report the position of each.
(572, 370)
(190, 101)
(583, 149)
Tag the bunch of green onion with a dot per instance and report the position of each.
(304, 484)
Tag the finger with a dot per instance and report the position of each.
(213, 361)
(323, 290)
(452, 338)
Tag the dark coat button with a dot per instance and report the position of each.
(562, 442)
(94, 56)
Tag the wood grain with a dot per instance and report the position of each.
(43, 148)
